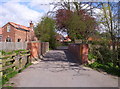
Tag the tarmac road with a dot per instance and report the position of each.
(58, 69)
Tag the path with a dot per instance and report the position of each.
(59, 70)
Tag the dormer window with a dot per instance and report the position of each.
(8, 28)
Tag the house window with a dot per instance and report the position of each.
(18, 40)
(8, 28)
(8, 39)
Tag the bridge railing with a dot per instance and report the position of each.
(80, 51)
(37, 49)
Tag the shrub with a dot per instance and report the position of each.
(91, 56)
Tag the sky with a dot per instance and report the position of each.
(23, 11)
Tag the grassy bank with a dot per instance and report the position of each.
(6, 78)
(12, 66)
(109, 68)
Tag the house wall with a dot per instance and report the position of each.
(14, 34)
(6, 34)
(20, 34)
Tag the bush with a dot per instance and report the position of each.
(91, 56)
(106, 54)
(109, 68)
(106, 59)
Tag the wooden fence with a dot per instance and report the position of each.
(9, 46)
(37, 48)
(20, 58)
(14, 62)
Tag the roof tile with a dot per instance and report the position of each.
(19, 26)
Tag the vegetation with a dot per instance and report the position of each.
(6, 78)
(13, 70)
(109, 68)
(45, 31)
(78, 24)
(102, 57)
(11, 52)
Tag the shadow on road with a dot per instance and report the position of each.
(61, 60)
(60, 55)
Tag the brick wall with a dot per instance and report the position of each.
(6, 34)
(37, 49)
(23, 35)
(80, 51)
(16, 34)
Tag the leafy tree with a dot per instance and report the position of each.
(109, 19)
(78, 24)
(45, 31)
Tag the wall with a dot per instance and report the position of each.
(6, 34)
(80, 51)
(15, 34)
(23, 35)
(37, 49)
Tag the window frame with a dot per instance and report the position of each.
(8, 28)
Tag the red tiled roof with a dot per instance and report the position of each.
(19, 26)
(0, 30)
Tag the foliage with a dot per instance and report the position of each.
(109, 68)
(45, 31)
(78, 24)
(103, 55)
(6, 78)
(91, 56)
(10, 72)
(11, 52)
(6, 53)
(109, 19)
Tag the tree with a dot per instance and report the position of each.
(109, 19)
(78, 24)
(45, 31)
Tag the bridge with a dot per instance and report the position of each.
(59, 68)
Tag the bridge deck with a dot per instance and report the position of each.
(58, 69)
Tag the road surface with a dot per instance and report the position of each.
(58, 69)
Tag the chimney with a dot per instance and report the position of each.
(31, 25)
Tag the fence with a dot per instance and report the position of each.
(9, 46)
(9, 64)
(37, 48)
(80, 51)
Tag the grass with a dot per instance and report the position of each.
(25, 67)
(12, 52)
(6, 78)
(109, 68)
(10, 72)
